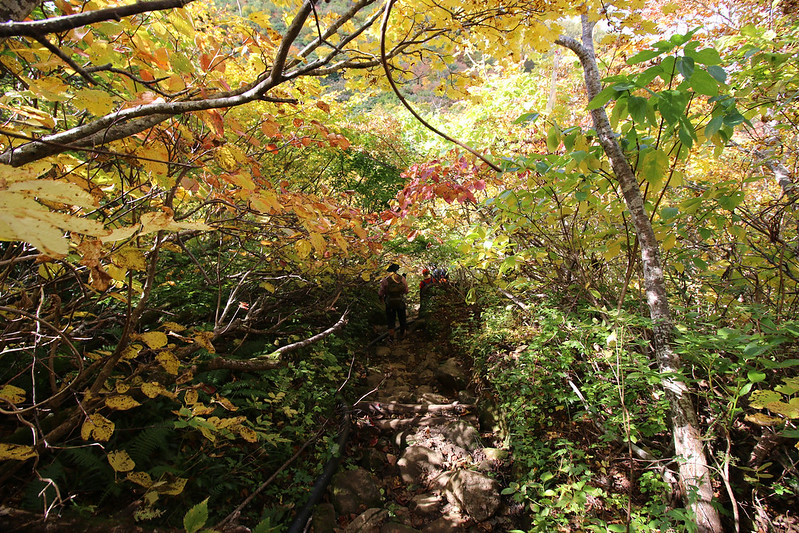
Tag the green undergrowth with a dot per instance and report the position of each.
(578, 392)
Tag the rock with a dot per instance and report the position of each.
(392, 527)
(443, 525)
(492, 419)
(373, 460)
(475, 493)
(424, 389)
(426, 503)
(419, 463)
(432, 398)
(369, 521)
(324, 518)
(495, 454)
(463, 434)
(466, 397)
(451, 374)
(405, 438)
(374, 379)
(353, 491)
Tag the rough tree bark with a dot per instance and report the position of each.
(693, 467)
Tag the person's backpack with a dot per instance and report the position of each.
(395, 292)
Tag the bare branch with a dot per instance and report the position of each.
(37, 28)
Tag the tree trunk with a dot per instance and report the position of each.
(17, 10)
(697, 489)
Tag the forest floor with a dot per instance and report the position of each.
(421, 459)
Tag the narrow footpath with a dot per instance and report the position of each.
(423, 457)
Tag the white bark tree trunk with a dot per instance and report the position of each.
(693, 468)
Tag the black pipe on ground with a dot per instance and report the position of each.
(301, 520)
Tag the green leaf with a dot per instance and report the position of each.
(646, 77)
(553, 138)
(653, 166)
(667, 213)
(713, 126)
(637, 106)
(602, 98)
(733, 118)
(685, 66)
(706, 56)
(686, 133)
(704, 83)
(196, 517)
(732, 201)
(527, 117)
(643, 55)
(718, 73)
(756, 376)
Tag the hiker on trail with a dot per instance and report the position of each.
(425, 289)
(392, 292)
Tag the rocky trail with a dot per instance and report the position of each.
(424, 457)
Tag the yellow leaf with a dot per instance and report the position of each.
(225, 158)
(151, 389)
(246, 433)
(97, 427)
(30, 171)
(140, 478)
(131, 352)
(130, 258)
(120, 461)
(96, 102)
(203, 338)
(169, 362)
(763, 420)
(120, 234)
(62, 192)
(159, 221)
(783, 408)
(154, 339)
(121, 387)
(190, 398)
(173, 326)
(267, 286)
(174, 488)
(12, 394)
(23, 219)
(16, 452)
(224, 402)
(318, 242)
(303, 248)
(121, 403)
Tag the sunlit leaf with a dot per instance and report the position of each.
(121, 403)
(120, 461)
(12, 394)
(16, 452)
(97, 427)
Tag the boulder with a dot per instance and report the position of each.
(353, 491)
(419, 463)
(462, 434)
(370, 521)
(451, 374)
(324, 518)
(476, 494)
(393, 527)
(426, 503)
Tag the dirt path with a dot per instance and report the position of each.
(419, 460)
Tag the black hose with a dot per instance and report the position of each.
(301, 520)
